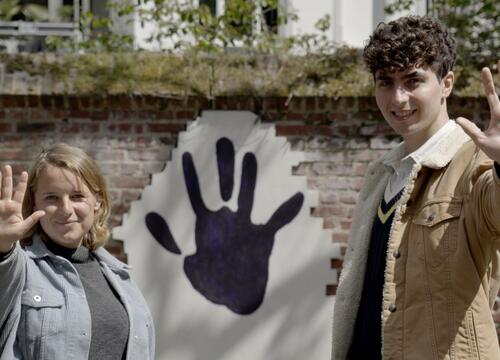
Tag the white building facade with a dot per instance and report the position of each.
(352, 21)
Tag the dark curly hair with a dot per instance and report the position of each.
(411, 41)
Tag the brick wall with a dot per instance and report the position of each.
(132, 137)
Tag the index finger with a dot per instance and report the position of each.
(489, 88)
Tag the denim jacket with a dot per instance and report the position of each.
(44, 313)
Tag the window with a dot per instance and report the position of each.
(211, 4)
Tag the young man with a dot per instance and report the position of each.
(422, 268)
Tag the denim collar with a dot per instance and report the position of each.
(38, 250)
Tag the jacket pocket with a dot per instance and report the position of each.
(41, 318)
(437, 225)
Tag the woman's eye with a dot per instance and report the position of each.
(51, 197)
(77, 196)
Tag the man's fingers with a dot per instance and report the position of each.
(470, 128)
(21, 188)
(489, 89)
(7, 183)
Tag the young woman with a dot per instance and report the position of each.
(62, 295)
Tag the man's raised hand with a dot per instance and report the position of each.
(489, 140)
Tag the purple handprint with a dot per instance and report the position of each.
(231, 262)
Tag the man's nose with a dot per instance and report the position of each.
(400, 95)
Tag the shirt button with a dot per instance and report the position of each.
(392, 308)
(396, 254)
(37, 298)
(431, 218)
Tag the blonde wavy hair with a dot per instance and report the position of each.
(85, 168)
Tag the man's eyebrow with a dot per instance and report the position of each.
(412, 74)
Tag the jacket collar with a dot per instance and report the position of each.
(444, 152)
(38, 250)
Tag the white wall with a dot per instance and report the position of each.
(352, 20)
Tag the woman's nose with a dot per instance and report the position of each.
(65, 206)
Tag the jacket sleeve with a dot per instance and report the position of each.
(486, 199)
(12, 279)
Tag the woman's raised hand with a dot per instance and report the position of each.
(12, 224)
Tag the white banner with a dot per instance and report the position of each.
(226, 253)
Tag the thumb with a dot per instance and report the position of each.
(31, 220)
(470, 128)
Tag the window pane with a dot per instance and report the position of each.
(271, 18)
(211, 4)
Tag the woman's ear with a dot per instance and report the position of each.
(447, 84)
(98, 202)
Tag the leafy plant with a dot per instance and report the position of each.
(12, 9)
(98, 36)
(474, 23)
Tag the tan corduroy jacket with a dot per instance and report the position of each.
(442, 269)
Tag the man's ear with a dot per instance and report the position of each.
(447, 84)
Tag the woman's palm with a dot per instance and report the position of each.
(12, 224)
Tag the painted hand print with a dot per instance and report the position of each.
(231, 263)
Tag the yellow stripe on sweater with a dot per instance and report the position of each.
(384, 216)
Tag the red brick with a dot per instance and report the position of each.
(340, 237)
(317, 117)
(129, 181)
(286, 130)
(310, 103)
(164, 115)
(85, 102)
(336, 263)
(331, 290)
(186, 114)
(11, 155)
(76, 128)
(126, 128)
(17, 115)
(46, 101)
(78, 114)
(13, 101)
(99, 115)
(5, 127)
(168, 128)
(35, 127)
(33, 101)
(345, 225)
(73, 102)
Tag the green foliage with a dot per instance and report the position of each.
(183, 25)
(98, 36)
(474, 23)
(209, 75)
(12, 9)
